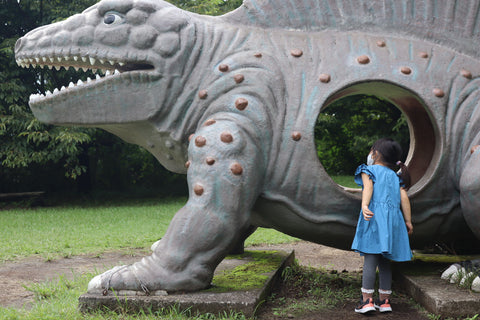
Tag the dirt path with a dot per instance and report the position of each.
(35, 270)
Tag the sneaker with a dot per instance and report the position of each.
(365, 306)
(383, 306)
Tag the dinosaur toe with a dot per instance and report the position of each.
(476, 284)
(453, 269)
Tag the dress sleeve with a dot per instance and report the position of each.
(358, 174)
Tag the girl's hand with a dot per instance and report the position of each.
(367, 214)
(409, 227)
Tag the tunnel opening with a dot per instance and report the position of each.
(354, 117)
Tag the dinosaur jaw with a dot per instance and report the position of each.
(115, 73)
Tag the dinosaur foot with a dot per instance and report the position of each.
(146, 277)
(465, 274)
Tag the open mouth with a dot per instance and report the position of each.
(104, 70)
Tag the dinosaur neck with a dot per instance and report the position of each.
(199, 73)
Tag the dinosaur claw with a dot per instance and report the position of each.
(476, 284)
(95, 285)
(103, 282)
(453, 269)
(155, 245)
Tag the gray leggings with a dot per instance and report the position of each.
(370, 264)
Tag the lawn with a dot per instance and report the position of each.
(346, 181)
(93, 228)
(55, 232)
(64, 231)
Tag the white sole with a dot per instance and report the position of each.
(365, 310)
(388, 309)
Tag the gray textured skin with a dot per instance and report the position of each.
(294, 57)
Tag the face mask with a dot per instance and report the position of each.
(369, 160)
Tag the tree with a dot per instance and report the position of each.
(24, 141)
(30, 149)
(210, 7)
(346, 130)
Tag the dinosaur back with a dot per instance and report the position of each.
(453, 23)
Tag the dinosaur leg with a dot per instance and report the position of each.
(470, 190)
(239, 247)
(224, 177)
(470, 201)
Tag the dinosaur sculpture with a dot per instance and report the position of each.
(232, 101)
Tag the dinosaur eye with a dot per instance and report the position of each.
(112, 18)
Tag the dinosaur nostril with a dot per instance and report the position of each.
(18, 44)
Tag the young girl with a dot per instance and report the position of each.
(384, 223)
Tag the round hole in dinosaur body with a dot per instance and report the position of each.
(371, 110)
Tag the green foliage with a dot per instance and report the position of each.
(33, 154)
(346, 130)
(210, 7)
(25, 141)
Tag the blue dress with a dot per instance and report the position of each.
(386, 232)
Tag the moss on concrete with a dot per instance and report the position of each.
(250, 275)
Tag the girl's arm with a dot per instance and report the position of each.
(407, 213)
(366, 196)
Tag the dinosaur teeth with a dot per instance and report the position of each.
(85, 63)
(36, 98)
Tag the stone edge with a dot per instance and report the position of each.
(245, 302)
(422, 290)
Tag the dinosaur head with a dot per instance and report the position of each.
(137, 44)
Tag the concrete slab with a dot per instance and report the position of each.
(211, 301)
(438, 296)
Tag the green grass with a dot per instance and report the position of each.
(59, 300)
(56, 232)
(346, 181)
(63, 231)
(317, 290)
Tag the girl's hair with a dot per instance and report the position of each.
(390, 151)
